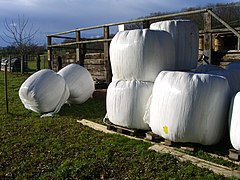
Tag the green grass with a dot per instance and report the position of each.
(60, 148)
(32, 65)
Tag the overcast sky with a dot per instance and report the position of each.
(52, 16)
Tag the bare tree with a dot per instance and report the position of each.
(20, 34)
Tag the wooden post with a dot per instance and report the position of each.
(80, 50)
(10, 64)
(44, 61)
(108, 72)
(38, 62)
(146, 24)
(49, 52)
(238, 44)
(227, 26)
(22, 64)
(6, 86)
(59, 63)
(208, 36)
(26, 63)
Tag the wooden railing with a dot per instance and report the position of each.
(78, 42)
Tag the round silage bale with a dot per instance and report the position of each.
(44, 92)
(79, 81)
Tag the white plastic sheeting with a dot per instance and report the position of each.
(231, 74)
(126, 103)
(79, 81)
(235, 122)
(188, 107)
(233, 65)
(44, 92)
(141, 54)
(203, 68)
(185, 36)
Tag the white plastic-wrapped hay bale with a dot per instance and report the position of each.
(231, 74)
(141, 54)
(203, 68)
(188, 107)
(185, 36)
(234, 118)
(79, 81)
(233, 65)
(233, 77)
(44, 92)
(126, 103)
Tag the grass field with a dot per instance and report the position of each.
(60, 148)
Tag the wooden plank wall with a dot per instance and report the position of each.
(93, 62)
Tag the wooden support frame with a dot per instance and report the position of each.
(50, 58)
(146, 24)
(81, 44)
(208, 36)
(80, 49)
(227, 26)
(108, 72)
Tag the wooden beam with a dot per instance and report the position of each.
(208, 37)
(81, 42)
(227, 26)
(63, 37)
(146, 24)
(78, 53)
(224, 23)
(108, 72)
(49, 52)
(134, 21)
(221, 30)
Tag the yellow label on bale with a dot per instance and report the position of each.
(165, 129)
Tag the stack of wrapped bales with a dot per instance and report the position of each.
(185, 106)
(137, 57)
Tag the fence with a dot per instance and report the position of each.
(80, 44)
(27, 63)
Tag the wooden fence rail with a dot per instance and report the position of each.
(79, 43)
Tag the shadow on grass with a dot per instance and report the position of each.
(91, 109)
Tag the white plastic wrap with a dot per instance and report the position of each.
(203, 68)
(185, 36)
(235, 122)
(188, 107)
(126, 103)
(233, 65)
(44, 92)
(141, 54)
(233, 77)
(231, 74)
(79, 81)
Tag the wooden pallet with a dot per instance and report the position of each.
(127, 131)
(234, 154)
(184, 146)
(153, 137)
(156, 138)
